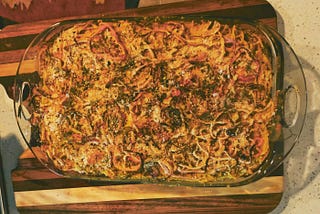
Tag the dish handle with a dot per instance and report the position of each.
(293, 98)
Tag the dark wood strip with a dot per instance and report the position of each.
(7, 83)
(255, 12)
(33, 175)
(15, 43)
(56, 183)
(29, 164)
(4, 22)
(262, 203)
(11, 56)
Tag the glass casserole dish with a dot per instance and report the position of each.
(198, 101)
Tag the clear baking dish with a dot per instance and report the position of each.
(201, 143)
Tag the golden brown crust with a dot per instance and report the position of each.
(167, 100)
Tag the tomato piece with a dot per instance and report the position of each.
(246, 78)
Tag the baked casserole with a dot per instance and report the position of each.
(172, 100)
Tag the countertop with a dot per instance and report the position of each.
(298, 22)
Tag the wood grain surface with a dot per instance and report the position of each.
(37, 190)
(28, 10)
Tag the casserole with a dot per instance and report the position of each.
(178, 100)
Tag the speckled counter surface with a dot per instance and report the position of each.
(299, 23)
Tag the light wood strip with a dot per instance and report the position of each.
(10, 69)
(266, 185)
(147, 3)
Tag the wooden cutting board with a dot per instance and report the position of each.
(39, 190)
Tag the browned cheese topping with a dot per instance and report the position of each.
(171, 100)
